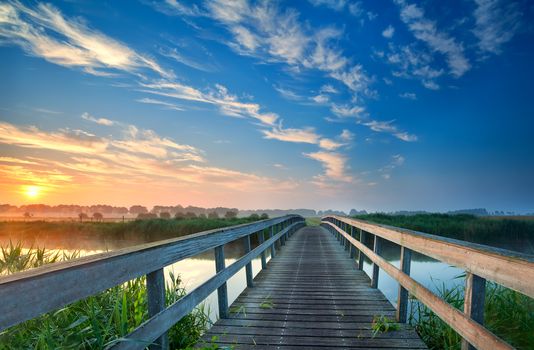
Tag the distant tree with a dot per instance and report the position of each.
(254, 217)
(213, 215)
(27, 215)
(202, 216)
(165, 215)
(190, 215)
(264, 216)
(179, 216)
(146, 216)
(138, 209)
(83, 216)
(230, 214)
(98, 216)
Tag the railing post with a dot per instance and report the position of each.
(222, 292)
(261, 239)
(273, 248)
(474, 298)
(352, 247)
(155, 285)
(248, 267)
(402, 298)
(360, 253)
(376, 249)
(347, 243)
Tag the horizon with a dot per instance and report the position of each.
(383, 106)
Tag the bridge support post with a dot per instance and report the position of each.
(376, 269)
(402, 299)
(273, 249)
(360, 253)
(261, 239)
(222, 292)
(347, 243)
(474, 298)
(248, 267)
(352, 248)
(155, 284)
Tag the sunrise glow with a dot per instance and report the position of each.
(32, 192)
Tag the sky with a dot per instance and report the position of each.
(379, 105)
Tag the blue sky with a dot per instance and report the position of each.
(380, 105)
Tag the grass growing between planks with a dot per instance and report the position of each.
(508, 314)
(95, 322)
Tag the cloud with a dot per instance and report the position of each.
(346, 135)
(334, 165)
(347, 111)
(388, 127)
(426, 31)
(219, 96)
(321, 99)
(388, 32)
(328, 89)
(101, 121)
(167, 105)
(329, 144)
(352, 7)
(73, 43)
(496, 24)
(288, 94)
(408, 95)
(305, 135)
(397, 160)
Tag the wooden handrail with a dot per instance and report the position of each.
(31, 293)
(479, 261)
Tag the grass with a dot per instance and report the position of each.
(485, 230)
(95, 322)
(508, 314)
(382, 324)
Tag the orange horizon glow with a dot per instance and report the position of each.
(32, 192)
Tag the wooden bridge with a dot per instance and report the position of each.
(312, 294)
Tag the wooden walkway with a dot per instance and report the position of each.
(311, 296)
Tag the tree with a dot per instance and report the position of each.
(138, 209)
(98, 216)
(254, 217)
(213, 215)
(165, 215)
(146, 216)
(190, 215)
(83, 216)
(264, 216)
(202, 216)
(179, 216)
(230, 214)
(27, 215)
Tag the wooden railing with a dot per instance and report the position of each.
(509, 269)
(28, 294)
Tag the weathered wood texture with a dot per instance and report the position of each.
(508, 268)
(472, 331)
(311, 296)
(32, 293)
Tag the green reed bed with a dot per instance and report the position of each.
(95, 322)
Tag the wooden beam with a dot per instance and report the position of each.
(261, 239)
(361, 256)
(155, 285)
(402, 298)
(467, 328)
(248, 266)
(474, 298)
(377, 247)
(511, 269)
(222, 290)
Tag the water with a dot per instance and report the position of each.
(195, 271)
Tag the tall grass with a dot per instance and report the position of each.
(508, 314)
(95, 322)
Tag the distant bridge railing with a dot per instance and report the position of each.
(507, 268)
(31, 293)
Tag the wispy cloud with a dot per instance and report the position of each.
(496, 24)
(389, 127)
(408, 95)
(426, 30)
(101, 121)
(44, 32)
(334, 165)
(304, 135)
(167, 105)
(397, 160)
(347, 111)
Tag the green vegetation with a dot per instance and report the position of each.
(501, 232)
(97, 321)
(508, 314)
(382, 324)
(313, 221)
(135, 231)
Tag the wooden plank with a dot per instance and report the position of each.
(376, 249)
(469, 329)
(31, 293)
(161, 322)
(155, 285)
(474, 297)
(311, 296)
(402, 297)
(261, 239)
(508, 268)
(248, 266)
(222, 291)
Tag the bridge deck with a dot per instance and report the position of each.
(311, 296)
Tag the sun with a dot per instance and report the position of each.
(32, 191)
